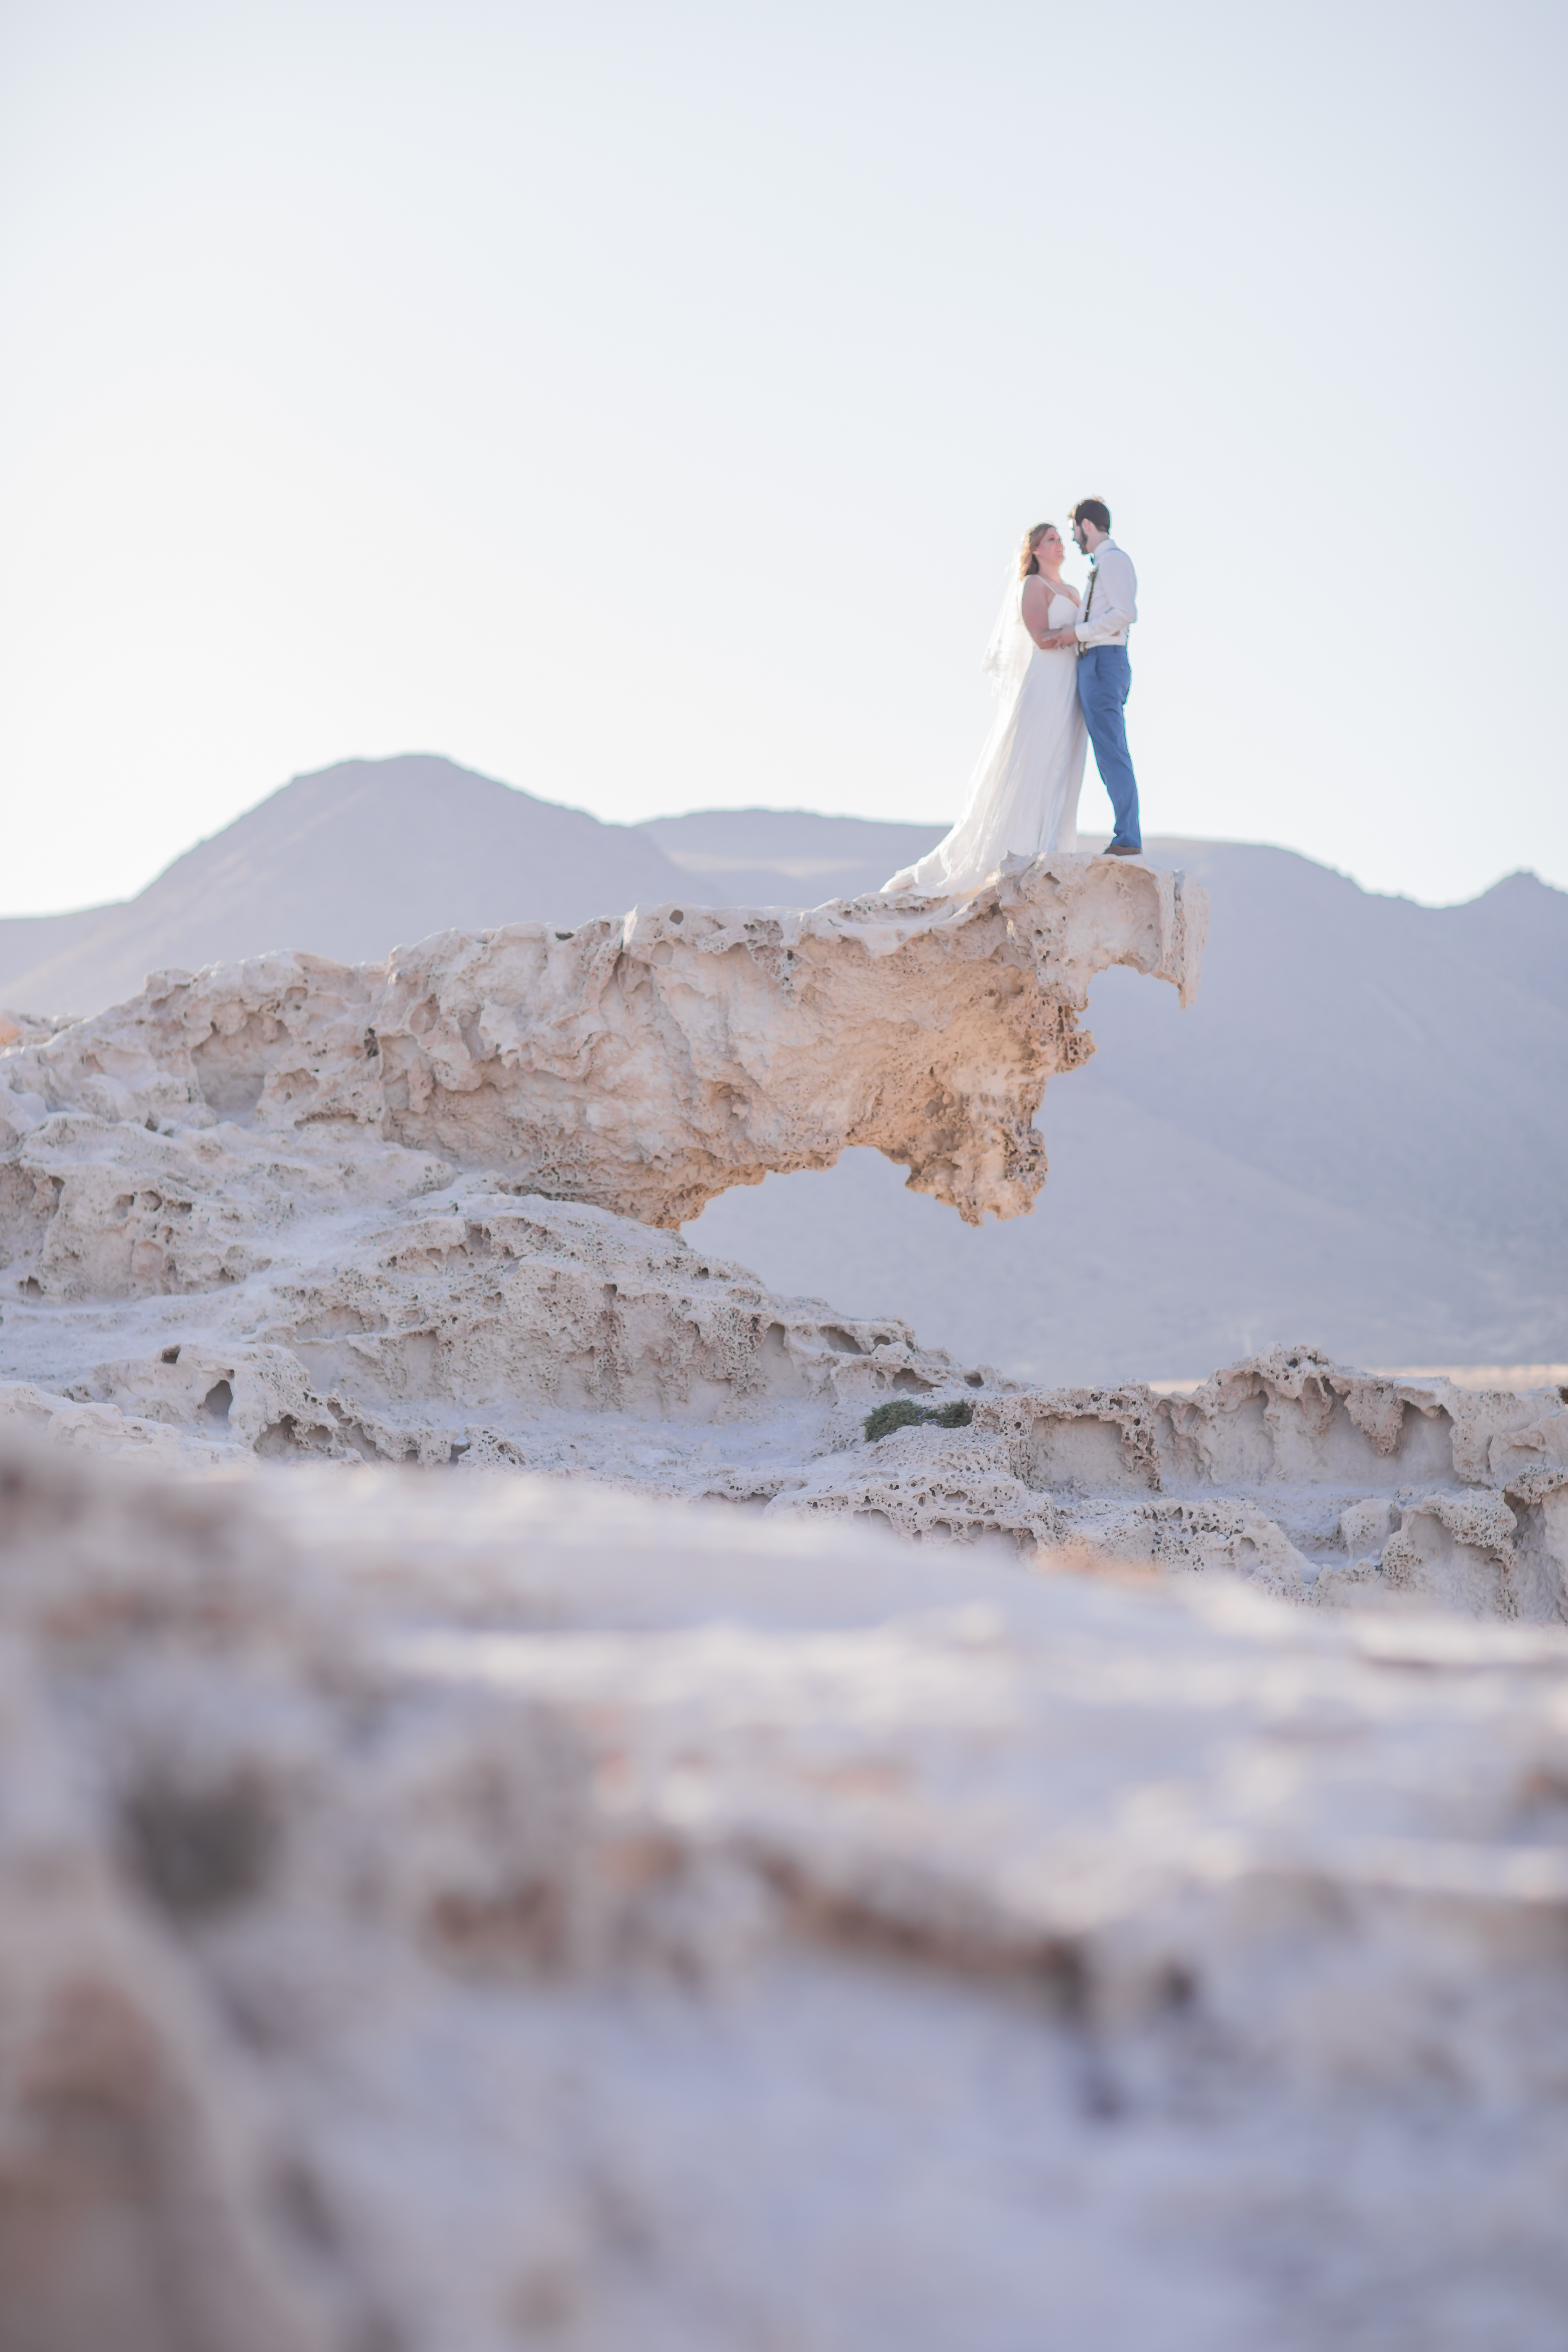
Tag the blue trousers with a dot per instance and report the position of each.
(1104, 681)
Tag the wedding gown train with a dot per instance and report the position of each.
(1023, 797)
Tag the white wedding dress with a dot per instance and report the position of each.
(1023, 795)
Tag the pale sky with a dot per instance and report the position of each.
(641, 404)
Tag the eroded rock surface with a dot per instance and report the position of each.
(466, 1913)
(645, 1066)
(447, 1907)
(221, 1297)
(212, 1252)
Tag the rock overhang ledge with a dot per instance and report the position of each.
(645, 1066)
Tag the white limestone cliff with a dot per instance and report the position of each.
(227, 1294)
(645, 1066)
(500, 1846)
(217, 1246)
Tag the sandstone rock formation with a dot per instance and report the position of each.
(645, 1066)
(224, 1295)
(1324, 1485)
(459, 1914)
(448, 1907)
(1352, 1137)
(1356, 1134)
(213, 1252)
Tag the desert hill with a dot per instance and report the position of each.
(350, 862)
(1355, 1136)
(374, 853)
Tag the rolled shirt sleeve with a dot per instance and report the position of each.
(1115, 600)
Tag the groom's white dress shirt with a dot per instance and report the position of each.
(1115, 605)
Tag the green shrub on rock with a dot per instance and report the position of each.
(903, 1412)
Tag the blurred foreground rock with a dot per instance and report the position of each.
(459, 1913)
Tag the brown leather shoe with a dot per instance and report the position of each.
(1114, 851)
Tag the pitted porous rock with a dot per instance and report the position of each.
(215, 1246)
(648, 1064)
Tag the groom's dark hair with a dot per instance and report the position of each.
(1094, 511)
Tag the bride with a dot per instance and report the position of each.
(1023, 795)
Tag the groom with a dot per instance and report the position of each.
(1104, 672)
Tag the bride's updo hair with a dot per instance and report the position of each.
(1027, 560)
